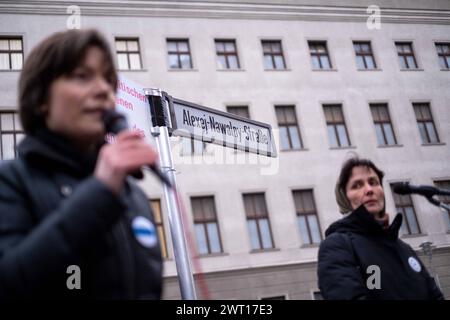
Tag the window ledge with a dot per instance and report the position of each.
(433, 144)
(132, 70)
(376, 69)
(416, 235)
(212, 255)
(445, 69)
(264, 250)
(417, 69)
(391, 146)
(183, 70)
(10, 70)
(312, 245)
(342, 148)
(277, 70)
(231, 70)
(332, 69)
(294, 150)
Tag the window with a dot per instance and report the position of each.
(406, 55)
(383, 126)
(179, 54)
(128, 53)
(206, 227)
(425, 123)
(364, 55)
(443, 51)
(273, 55)
(288, 126)
(11, 53)
(319, 55)
(191, 146)
(308, 223)
(258, 221)
(11, 134)
(241, 111)
(227, 57)
(337, 130)
(445, 184)
(404, 205)
(156, 207)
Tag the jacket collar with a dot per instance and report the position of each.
(362, 222)
(49, 150)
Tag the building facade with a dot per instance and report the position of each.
(333, 81)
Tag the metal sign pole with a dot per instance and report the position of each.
(161, 134)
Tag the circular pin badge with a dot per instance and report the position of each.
(414, 264)
(144, 232)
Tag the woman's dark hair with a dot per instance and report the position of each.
(57, 55)
(348, 166)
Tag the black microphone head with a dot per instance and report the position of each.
(114, 121)
(401, 188)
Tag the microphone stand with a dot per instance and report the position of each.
(438, 203)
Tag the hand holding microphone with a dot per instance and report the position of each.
(126, 156)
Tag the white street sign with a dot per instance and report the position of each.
(226, 129)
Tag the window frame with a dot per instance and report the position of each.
(127, 52)
(257, 217)
(319, 55)
(204, 222)
(401, 208)
(160, 226)
(371, 54)
(335, 123)
(446, 56)
(10, 52)
(227, 54)
(428, 105)
(13, 132)
(376, 106)
(273, 54)
(288, 124)
(179, 53)
(308, 213)
(402, 55)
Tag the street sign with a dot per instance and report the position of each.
(209, 125)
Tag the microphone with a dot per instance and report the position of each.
(426, 191)
(116, 122)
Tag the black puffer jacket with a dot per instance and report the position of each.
(358, 241)
(54, 213)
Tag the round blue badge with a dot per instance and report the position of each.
(144, 232)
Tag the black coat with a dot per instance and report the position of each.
(54, 213)
(358, 241)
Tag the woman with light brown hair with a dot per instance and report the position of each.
(66, 202)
